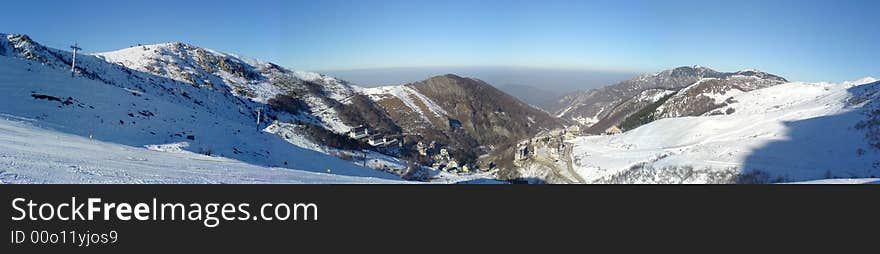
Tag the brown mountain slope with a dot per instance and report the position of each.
(466, 115)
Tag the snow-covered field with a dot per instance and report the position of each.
(842, 181)
(31, 154)
(789, 132)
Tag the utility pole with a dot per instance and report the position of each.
(365, 157)
(259, 114)
(75, 47)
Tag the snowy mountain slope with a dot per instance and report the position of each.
(30, 154)
(243, 77)
(595, 104)
(626, 109)
(602, 108)
(711, 93)
(789, 132)
(419, 110)
(117, 104)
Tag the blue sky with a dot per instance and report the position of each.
(808, 40)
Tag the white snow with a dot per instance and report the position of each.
(793, 132)
(30, 154)
(169, 148)
(720, 98)
(659, 95)
(586, 121)
(842, 181)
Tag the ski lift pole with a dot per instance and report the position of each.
(259, 114)
(75, 47)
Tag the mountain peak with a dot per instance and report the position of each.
(694, 67)
(761, 75)
(158, 48)
(694, 70)
(449, 76)
(861, 81)
(454, 82)
(22, 37)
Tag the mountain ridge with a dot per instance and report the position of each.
(595, 108)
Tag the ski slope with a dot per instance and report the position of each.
(137, 117)
(31, 154)
(789, 132)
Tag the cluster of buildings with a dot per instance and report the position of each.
(547, 146)
(389, 144)
(441, 158)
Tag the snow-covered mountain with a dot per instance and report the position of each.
(788, 132)
(697, 125)
(630, 102)
(174, 93)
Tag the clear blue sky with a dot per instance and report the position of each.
(801, 39)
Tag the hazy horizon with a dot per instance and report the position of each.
(558, 81)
